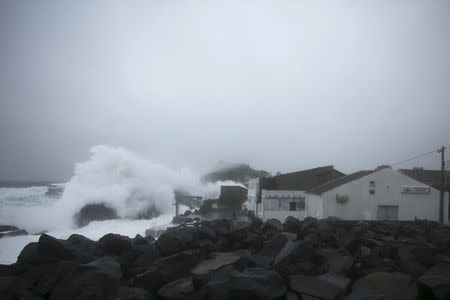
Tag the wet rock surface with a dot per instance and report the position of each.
(94, 212)
(240, 259)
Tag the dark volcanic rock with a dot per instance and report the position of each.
(390, 286)
(272, 224)
(113, 244)
(94, 212)
(146, 255)
(252, 283)
(217, 261)
(47, 250)
(220, 226)
(204, 232)
(98, 279)
(299, 258)
(416, 259)
(12, 288)
(48, 281)
(82, 247)
(292, 225)
(177, 290)
(169, 269)
(326, 287)
(271, 248)
(54, 248)
(127, 293)
(435, 283)
(339, 264)
(171, 242)
(241, 259)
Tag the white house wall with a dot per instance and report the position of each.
(314, 206)
(362, 205)
(252, 194)
(275, 204)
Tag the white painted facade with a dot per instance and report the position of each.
(252, 195)
(281, 204)
(395, 196)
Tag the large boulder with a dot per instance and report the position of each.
(83, 248)
(177, 290)
(292, 225)
(54, 248)
(338, 263)
(113, 244)
(12, 288)
(272, 224)
(217, 261)
(204, 233)
(386, 286)
(265, 257)
(99, 279)
(220, 226)
(299, 258)
(47, 250)
(169, 269)
(416, 259)
(173, 241)
(252, 283)
(435, 283)
(49, 279)
(94, 212)
(324, 287)
(129, 293)
(146, 255)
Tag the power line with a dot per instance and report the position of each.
(416, 157)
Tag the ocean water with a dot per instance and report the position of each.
(25, 197)
(122, 180)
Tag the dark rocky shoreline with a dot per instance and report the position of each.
(241, 259)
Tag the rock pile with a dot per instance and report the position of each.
(241, 259)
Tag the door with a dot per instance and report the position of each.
(387, 212)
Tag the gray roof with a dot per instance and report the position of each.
(429, 177)
(306, 179)
(340, 181)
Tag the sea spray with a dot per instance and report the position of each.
(122, 180)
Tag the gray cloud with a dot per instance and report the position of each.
(282, 85)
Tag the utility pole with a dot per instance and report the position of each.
(441, 202)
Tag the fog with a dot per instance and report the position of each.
(281, 85)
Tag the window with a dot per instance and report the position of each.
(372, 187)
(292, 205)
(387, 212)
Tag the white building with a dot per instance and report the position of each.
(382, 194)
(285, 195)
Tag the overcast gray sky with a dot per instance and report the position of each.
(283, 85)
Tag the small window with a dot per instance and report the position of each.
(372, 187)
(292, 205)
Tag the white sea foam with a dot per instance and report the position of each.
(115, 176)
